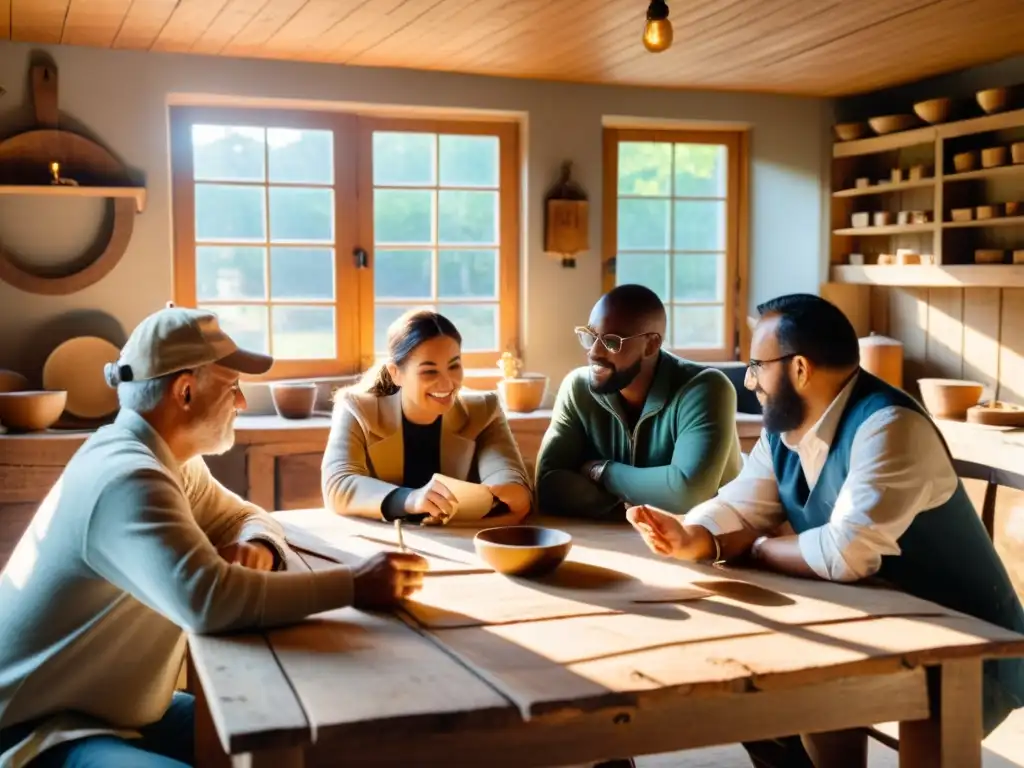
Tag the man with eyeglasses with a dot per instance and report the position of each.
(867, 483)
(638, 425)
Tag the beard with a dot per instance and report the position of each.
(616, 380)
(785, 410)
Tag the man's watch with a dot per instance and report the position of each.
(597, 471)
(755, 548)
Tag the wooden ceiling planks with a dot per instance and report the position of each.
(829, 48)
(38, 21)
(95, 23)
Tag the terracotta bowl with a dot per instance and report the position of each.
(934, 110)
(891, 123)
(523, 394)
(522, 550)
(993, 99)
(294, 400)
(12, 381)
(949, 398)
(849, 131)
(32, 410)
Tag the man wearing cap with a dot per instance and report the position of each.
(135, 545)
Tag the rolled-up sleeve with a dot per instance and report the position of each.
(899, 467)
(749, 502)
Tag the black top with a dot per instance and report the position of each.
(422, 460)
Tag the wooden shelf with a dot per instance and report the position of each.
(986, 173)
(61, 190)
(928, 134)
(881, 189)
(999, 221)
(891, 229)
(951, 276)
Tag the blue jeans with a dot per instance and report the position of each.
(167, 743)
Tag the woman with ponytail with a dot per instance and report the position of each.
(407, 421)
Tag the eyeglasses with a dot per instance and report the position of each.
(755, 365)
(610, 341)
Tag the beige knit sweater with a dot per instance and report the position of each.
(118, 564)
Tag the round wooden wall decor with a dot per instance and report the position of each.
(25, 161)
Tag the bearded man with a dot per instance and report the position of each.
(638, 425)
(865, 479)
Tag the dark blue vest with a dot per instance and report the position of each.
(945, 555)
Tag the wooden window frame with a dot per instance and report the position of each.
(736, 269)
(353, 184)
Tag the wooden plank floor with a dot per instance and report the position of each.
(1004, 748)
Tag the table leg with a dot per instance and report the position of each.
(951, 737)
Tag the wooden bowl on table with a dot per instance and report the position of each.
(31, 411)
(934, 110)
(949, 398)
(522, 550)
(294, 400)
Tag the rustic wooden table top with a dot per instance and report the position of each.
(478, 651)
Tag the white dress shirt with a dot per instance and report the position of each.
(898, 468)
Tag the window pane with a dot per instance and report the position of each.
(696, 327)
(643, 225)
(383, 316)
(469, 161)
(467, 217)
(302, 214)
(303, 333)
(224, 153)
(700, 225)
(230, 213)
(402, 274)
(302, 273)
(698, 277)
(650, 269)
(645, 168)
(246, 325)
(230, 272)
(467, 274)
(478, 324)
(700, 170)
(403, 216)
(301, 156)
(404, 158)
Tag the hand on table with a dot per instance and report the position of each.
(661, 531)
(387, 578)
(433, 500)
(251, 554)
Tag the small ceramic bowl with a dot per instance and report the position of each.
(522, 550)
(31, 411)
(294, 400)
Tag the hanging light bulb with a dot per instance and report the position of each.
(658, 29)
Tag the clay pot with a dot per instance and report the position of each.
(949, 398)
(293, 400)
(522, 550)
(883, 357)
(524, 393)
(12, 381)
(31, 411)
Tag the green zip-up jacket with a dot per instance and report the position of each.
(682, 449)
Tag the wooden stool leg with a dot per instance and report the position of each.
(951, 737)
(208, 750)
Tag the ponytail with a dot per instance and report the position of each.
(381, 384)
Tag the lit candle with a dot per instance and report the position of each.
(55, 170)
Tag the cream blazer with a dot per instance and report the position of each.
(364, 459)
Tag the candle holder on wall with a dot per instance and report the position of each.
(566, 230)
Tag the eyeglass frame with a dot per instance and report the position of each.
(754, 365)
(601, 337)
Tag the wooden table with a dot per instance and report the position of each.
(760, 655)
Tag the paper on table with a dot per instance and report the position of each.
(474, 500)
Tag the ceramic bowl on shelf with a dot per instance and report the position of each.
(934, 110)
(949, 398)
(294, 399)
(849, 131)
(993, 100)
(891, 123)
(31, 410)
(965, 161)
(522, 550)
